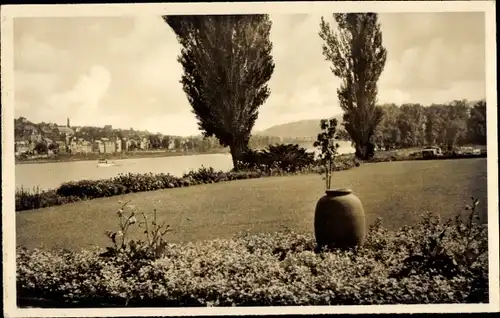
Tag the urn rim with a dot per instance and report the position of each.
(338, 191)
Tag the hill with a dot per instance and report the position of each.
(301, 128)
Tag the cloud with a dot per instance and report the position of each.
(82, 101)
(159, 68)
(123, 71)
(146, 32)
(37, 83)
(30, 51)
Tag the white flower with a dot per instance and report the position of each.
(132, 220)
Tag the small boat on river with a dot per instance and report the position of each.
(104, 163)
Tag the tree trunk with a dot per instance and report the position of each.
(237, 149)
(361, 151)
(364, 151)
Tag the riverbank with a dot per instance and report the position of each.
(121, 156)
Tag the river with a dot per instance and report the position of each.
(52, 175)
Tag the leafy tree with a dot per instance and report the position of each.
(41, 147)
(53, 146)
(388, 134)
(133, 145)
(411, 121)
(328, 147)
(165, 142)
(227, 63)
(456, 122)
(155, 141)
(476, 124)
(358, 59)
(433, 123)
(177, 143)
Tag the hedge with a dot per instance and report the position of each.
(428, 262)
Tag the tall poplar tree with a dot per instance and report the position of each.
(227, 63)
(358, 59)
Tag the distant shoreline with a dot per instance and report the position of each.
(129, 155)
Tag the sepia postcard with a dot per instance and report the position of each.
(249, 158)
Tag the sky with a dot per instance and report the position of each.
(123, 71)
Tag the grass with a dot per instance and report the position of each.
(396, 191)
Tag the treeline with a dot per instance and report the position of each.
(205, 144)
(412, 125)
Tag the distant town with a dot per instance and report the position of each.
(49, 140)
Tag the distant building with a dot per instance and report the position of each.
(66, 131)
(62, 145)
(80, 146)
(35, 137)
(22, 146)
(106, 146)
(46, 130)
(144, 144)
(125, 144)
(171, 144)
(118, 145)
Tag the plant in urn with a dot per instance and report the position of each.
(339, 219)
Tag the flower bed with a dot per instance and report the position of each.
(429, 262)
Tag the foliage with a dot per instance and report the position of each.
(280, 157)
(388, 134)
(288, 157)
(448, 125)
(428, 262)
(410, 123)
(41, 147)
(151, 248)
(227, 63)
(204, 175)
(53, 146)
(358, 59)
(476, 124)
(328, 147)
(37, 198)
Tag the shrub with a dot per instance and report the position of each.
(151, 248)
(282, 268)
(36, 199)
(285, 157)
(206, 175)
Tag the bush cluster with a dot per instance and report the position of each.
(428, 262)
(133, 182)
(284, 157)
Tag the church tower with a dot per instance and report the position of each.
(67, 122)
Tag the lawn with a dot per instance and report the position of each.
(395, 191)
